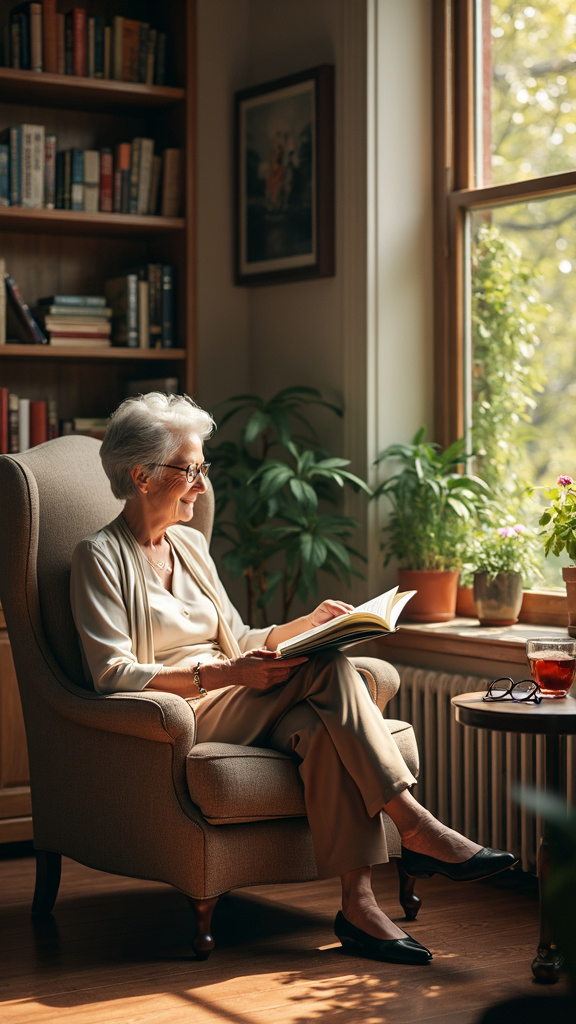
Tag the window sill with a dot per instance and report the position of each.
(463, 645)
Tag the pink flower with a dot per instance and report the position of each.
(519, 528)
(565, 481)
(507, 531)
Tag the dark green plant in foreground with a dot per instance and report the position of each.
(434, 505)
(277, 492)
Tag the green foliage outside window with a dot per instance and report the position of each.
(507, 312)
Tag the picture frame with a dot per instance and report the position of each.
(284, 179)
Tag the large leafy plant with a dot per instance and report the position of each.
(434, 505)
(277, 492)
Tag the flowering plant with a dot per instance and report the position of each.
(558, 520)
(505, 549)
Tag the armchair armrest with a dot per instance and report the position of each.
(382, 678)
(148, 714)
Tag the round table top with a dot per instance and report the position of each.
(551, 717)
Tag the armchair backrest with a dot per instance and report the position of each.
(50, 498)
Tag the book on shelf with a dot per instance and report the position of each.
(23, 424)
(368, 621)
(144, 176)
(143, 313)
(61, 43)
(168, 305)
(106, 181)
(130, 49)
(77, 179)
(143, 51)
(64, 179)
(13, 428)
(123, 157)
(49, 37)
(91, 180)
(122, 295)
(155, 184)
(32, 160)
(172, 180)
(50, 171)
(38, 413)
(160, 59)
(19, 317)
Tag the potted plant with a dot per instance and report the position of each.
(277, 493)
(558, 522)
(503, 561)
(434, 505)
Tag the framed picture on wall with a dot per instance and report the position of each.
(285, 179)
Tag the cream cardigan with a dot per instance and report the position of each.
(111, 607)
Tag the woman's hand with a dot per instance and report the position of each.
(323, 613)
(259, 670)
(328, 610)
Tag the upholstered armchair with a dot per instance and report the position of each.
(118, 782)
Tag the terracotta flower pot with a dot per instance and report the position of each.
(465, 607)
(435, 598)
(569, 577)
(498, 599)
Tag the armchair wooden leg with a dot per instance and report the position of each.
(203, 943)
(48, 868)
(409, 902)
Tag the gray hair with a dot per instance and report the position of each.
(146, 430)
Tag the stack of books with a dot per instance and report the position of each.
(81, 321)
(39, 38)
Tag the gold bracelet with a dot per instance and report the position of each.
(196, 680)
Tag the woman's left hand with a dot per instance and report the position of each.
(328, 610)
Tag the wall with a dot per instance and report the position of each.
(362, 337)
(223, 355)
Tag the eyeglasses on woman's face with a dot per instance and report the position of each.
(192, 471)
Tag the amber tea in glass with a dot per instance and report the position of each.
(552, 662)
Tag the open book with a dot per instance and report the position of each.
(377, 617)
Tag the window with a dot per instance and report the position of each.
(505, 226)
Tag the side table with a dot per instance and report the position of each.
(553, 719)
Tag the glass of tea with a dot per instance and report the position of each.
(552, 662)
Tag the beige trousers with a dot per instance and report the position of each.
(322, 716)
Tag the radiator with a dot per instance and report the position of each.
(466, 774)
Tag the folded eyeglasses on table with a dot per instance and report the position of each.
(504, 688)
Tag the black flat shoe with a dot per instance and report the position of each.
(483, 864)
(391, 951)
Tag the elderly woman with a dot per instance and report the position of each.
(152, 613)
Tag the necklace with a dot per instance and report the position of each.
(160, 565)
(157, 565)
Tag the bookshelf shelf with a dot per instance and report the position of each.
(71, 92)
(73, 222)
(67, 252)
(32, 352)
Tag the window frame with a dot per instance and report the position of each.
(455, 194)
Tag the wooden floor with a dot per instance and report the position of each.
(117, 950)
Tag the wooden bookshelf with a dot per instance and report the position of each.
(64, 251)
